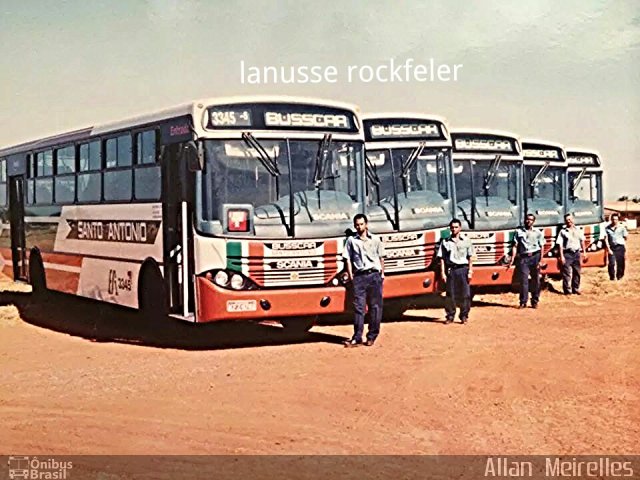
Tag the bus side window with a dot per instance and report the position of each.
(3, 182)
(89, 183)
(147, 179)
(65, 180)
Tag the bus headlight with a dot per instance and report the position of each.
(237, 281)
(221, 279)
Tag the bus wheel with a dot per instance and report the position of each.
(299, 324)
(37, 277)
(152, 299)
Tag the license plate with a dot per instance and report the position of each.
(241, 306)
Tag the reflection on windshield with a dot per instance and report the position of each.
(548, 185)
(266, 173)
(587, 187)
(426, 173)
(503, 184)
(487, 193)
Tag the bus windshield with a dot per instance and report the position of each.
(544, 183)
(408, 187)
(585, 196)
(585, 186)
(487, 193)
(318, 178)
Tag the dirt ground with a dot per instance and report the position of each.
(76, 378)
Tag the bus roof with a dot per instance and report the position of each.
(164, 114)
(403, 115)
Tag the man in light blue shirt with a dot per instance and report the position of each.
(456, 268)
(364, 255)
(571, 242)
(615, 240)
(528, 243)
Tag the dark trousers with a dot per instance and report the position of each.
(571, 272)
(616, 262)
(367, 291)
(458, 292)
(529, 267)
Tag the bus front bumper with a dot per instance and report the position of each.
(215, 303)
(409, 284)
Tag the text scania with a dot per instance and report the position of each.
(317, 120)
(294, 264)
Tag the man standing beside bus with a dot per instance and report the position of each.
(364, 256)
(528, 243)
(615, 240)
(571, 249)
(456, 268)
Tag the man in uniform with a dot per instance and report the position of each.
(456, 268)
(364, 256)
(615, 240)
(528, 243)
(571, 249)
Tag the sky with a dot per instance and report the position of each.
(567, 72)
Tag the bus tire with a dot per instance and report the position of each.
(152, 298)
(299, 325)
(37, 277)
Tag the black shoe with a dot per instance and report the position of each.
(534, 305)
(369, 343)
(464, 321)
(577, 293)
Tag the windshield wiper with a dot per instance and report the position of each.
(408, 164)
(493, 168)
(578, 179)
(267, 162)
(411, 160)
(536, 179)
(370, 169)
(321, 157)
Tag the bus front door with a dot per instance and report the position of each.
(16, 221)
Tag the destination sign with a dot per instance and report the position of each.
(403, 129)
(280, 116)
(463, 142)
(224, 117)
(583, 159)
(536, 151)
(540, 154)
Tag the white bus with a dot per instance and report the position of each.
(586, 202)
(410, 195)
(232, 208)
(545, 194)
(487, 168)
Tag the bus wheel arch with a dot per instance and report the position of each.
(152, 297)
(37, 277)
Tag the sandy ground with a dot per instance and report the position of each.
(76, 378)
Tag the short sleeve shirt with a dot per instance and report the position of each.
(364, 254)
(570, 238)
(456, 252)
(529, 241)
(616, 235)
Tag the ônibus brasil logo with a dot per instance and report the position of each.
(38, 468)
